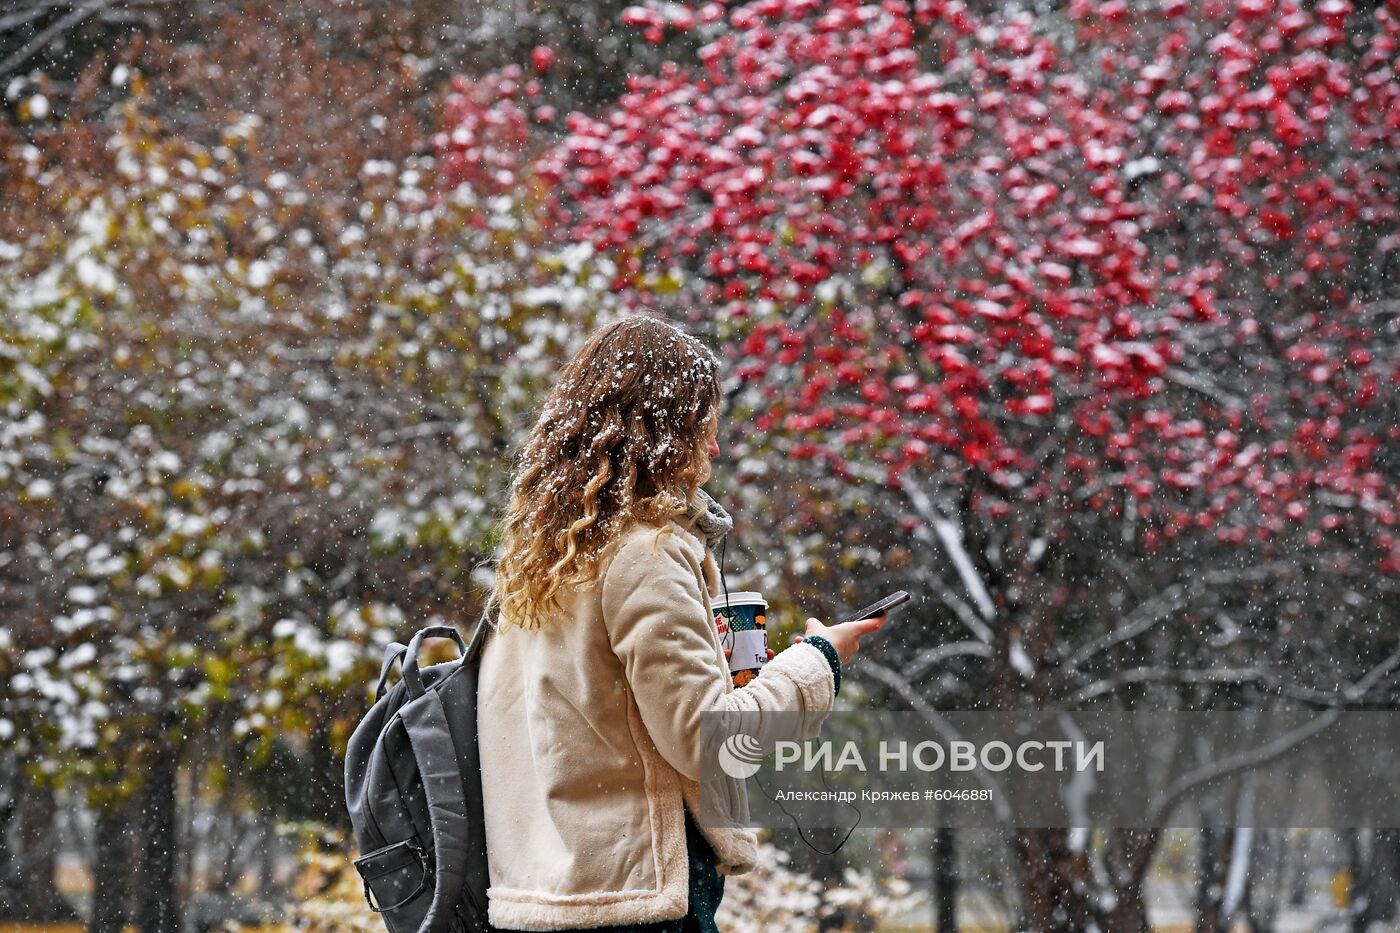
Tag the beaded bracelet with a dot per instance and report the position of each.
(828, 649)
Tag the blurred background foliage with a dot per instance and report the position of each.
(282, 284)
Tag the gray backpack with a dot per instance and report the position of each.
(413, 788)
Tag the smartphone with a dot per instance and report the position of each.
(877, 608)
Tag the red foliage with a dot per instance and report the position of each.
(1149, 265)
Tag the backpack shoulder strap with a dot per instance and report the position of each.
(425, 721)
(478, 639)
(392, 652)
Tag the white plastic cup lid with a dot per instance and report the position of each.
(739, 599)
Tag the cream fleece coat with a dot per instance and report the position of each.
(589, 731)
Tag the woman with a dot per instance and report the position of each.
(606, 651)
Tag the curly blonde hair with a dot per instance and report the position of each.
(621, 437)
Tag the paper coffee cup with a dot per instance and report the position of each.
(747, 637)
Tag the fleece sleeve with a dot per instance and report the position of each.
(660, 629)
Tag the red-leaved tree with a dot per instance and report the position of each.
(1096, 308)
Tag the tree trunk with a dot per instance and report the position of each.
(1359, 890)
(112, 868)
(1300, 860)
(1245, 908)
(945, 880)
(1056, 882)
(9, 815)
(1265, 914)
(38, 897)
(1374, 875)
(267, 860)
(1035, 880)
(1210, 878)
(1385, 872)
(1130, 855)
(328, 778)
(159, 907)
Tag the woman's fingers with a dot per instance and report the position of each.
(846, 636)
(863, 627)
(871, 624)
(722, 626)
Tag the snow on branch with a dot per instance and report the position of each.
(1224, 675)
(931, 657)
(950, 536)
(1159, 607)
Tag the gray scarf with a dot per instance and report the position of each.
(711, 520)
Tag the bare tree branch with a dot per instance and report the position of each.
(56, 28)
(906, 690)
(1245, 761)
(1272, 751)
(931, 657)
(1198, 383)
(950, 536)
(1224, 675)
(1158, 607)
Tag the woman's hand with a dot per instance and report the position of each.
(845, 638)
